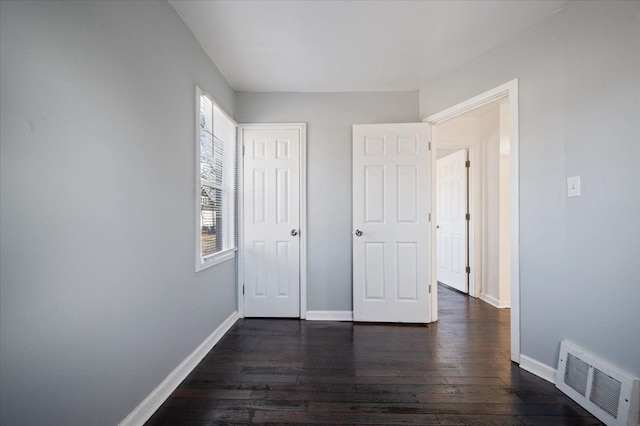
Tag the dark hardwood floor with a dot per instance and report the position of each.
(454, 372)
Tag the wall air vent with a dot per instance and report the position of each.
(611, 395)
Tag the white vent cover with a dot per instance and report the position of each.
(611, 395)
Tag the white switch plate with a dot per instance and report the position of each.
(573, 186)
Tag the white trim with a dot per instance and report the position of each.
(509, 89)
(473, 103)
(303, 221)
(433, 286)
(539, 369)
(329, 315)
(514, 134)
(501, 304)
(240, 223)
(216, 258)
(302, 128)
(154, 400)
(196, 170)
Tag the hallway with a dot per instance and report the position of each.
(454, 372)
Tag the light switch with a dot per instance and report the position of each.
(573, 186)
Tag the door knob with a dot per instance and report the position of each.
(294, 232)
(358, 233)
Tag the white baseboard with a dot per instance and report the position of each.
(495, 302)
(329, 316)
(154, 400)
(539, 369)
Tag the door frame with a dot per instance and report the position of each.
(509, 90)
(475, 209)
(302, 128)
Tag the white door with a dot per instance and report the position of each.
(271, 222)
(451, 220)
(391, 230)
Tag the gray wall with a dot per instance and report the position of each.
(329, 117)
(99, 300)
(579, 115)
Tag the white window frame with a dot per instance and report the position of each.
(230, 226)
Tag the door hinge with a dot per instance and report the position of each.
(429, 144)
(243, 289)
(468, 216)
(429, 217)
(242, 149)
(468, 269)
(467, 164)
(429, 288)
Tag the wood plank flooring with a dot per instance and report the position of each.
(454, 372)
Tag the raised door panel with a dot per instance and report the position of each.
(407, 268)
(283, 195)
(374, 261)
(283, 260)
(374, 203)
(259, 201)
(407, 190)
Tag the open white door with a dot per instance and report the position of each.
(391, 229)
(452, 181)
(271, 222)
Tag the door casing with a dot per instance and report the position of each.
(302, 128)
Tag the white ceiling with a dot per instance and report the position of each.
(344, 46)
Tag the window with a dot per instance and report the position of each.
(215, 184)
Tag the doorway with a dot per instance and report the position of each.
(477, 189)
(487, 127)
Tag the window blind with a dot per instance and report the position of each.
(218, 187)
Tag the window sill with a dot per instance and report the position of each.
(215, 259)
